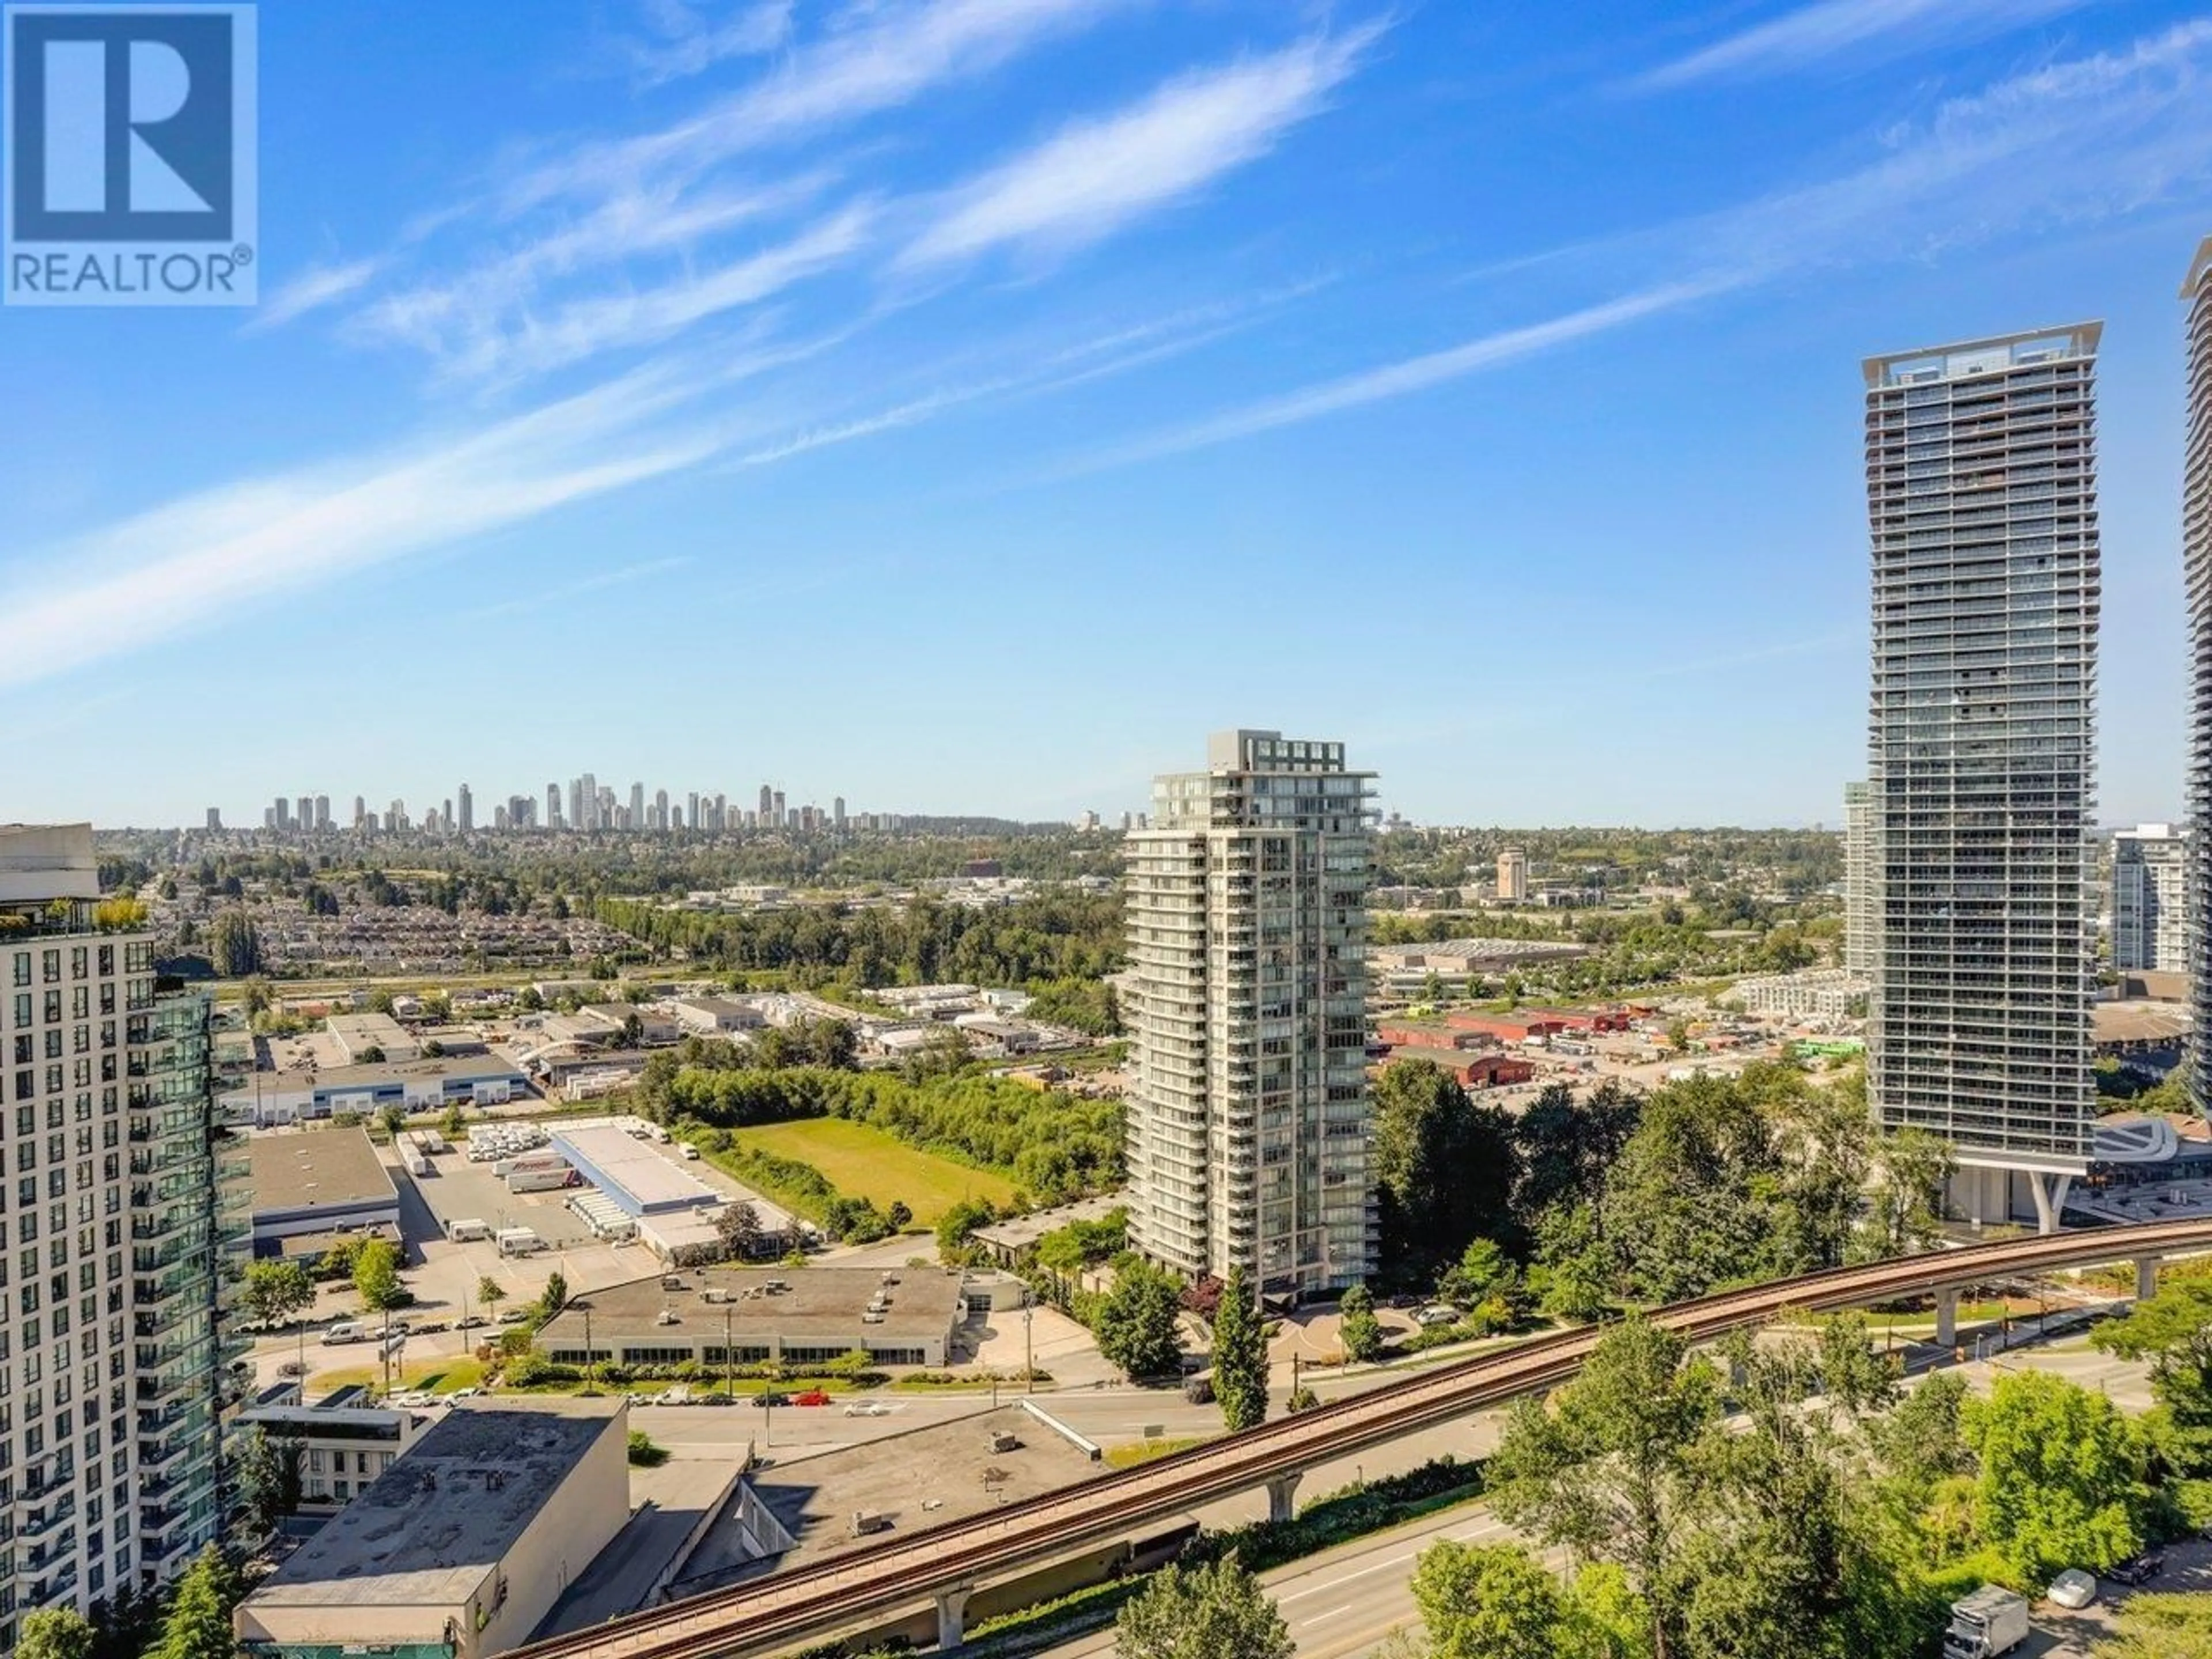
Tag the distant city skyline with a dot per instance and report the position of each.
(893, 435)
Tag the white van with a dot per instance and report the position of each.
(344, 1331)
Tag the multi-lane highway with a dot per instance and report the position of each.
(811, 1602)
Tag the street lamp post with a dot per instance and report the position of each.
(729, 1372)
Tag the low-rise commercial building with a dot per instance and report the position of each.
(1470, 1068)
(654, 1024)
(1831, 993)
(461, 1546)
(1519, 1027)
(746, 1315)
(270, 1099)
(365, 1038)
(316, 1183)
(342, 1444)
(634, 1174)
(716, 1016)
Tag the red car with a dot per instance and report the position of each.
(812, 1397)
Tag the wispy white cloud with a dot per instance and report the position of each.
(1099, 357)
(311, 290)
(489, 324)
(1414, 375)
(910, 413)
(1859, 29)
(691, 42)
(1095, 175)
(2075, 141)
(597, 583)
(880, 63)
(547, 224)
(181, 566)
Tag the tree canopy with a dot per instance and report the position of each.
(1213, 1611)
(1136, 1324)
(1240, 1355)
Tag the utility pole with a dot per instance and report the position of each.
(729, 1372)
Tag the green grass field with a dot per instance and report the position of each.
(866, 1162)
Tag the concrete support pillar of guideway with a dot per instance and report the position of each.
(1282, 1496)
(2050, 1200)
(2146, 1278)
(1947, 1317)
(952, 1618)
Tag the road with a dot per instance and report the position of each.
(1346, 1601)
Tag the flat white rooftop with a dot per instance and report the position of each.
(634, 1173)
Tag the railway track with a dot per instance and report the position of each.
(813, 1602)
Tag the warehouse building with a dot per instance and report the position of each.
(270, 1099)
(363, 1038)
(640, 1179)
(460, 1547)
(311, 1186)
(747, 1316)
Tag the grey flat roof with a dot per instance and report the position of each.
(467, 1067)
(926, 1477)
(303, 1170)
(652, 1180)
(825, 1303)
(443, 1515)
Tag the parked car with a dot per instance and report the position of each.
(291, 1368)
(514, 1315)
(2140, 1570)
(471, 1323)
(810, 1397)
(2072, 1589)
(769, 1397)
(1437, 1313)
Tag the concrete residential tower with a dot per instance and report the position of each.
(1981, 488)
(1861, 918)
(2197, 573)
(1248, 1101)
(122, 1214)
(2149, 920)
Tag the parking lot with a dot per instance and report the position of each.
(457, 1190)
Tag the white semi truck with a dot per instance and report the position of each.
(1990, 1621)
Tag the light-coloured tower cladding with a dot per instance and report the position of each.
(2147, 925)
(2197, 573)
(1861, 918)
(1247, 1105)
(1981, 488)
(1513, 876)
(122, 1207)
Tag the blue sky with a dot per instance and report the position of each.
(963, 405)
